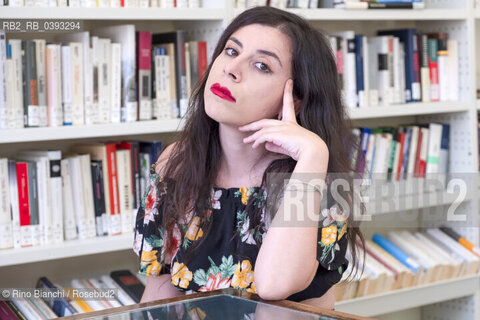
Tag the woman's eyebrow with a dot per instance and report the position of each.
(260, 51)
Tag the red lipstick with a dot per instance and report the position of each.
(222, 92)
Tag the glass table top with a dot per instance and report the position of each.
(219, 304)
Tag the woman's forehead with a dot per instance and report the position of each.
(261, 37)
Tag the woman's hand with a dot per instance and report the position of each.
(286, 136)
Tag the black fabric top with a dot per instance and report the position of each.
(221, 261)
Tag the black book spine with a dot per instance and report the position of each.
(98, 196)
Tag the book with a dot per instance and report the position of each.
(128, 282)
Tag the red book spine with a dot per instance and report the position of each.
(416, 170)
(122, 3)
(112, 178)
(434, 77)
(23, 195)
(144, 47)
(202, 58)
(401, 140)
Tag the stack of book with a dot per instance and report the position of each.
(120, 288)
(104, 3)
(406, 259)
(394, 154)
(338, 4)
(111, 75)
(396, 67)
(47, 197)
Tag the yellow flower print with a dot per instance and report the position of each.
(181, 276)
(194, 231)
(243, 275)
(197, 313)
(154, 269)
(342, 231)
(149, 256)
(252, 288)
(245, 193)
(329, 235)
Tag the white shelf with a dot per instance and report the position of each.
(393, 14)
(407, 298)
(413, 202)
(67, 249)
(90, 131)
(408, 109)
(112, 13)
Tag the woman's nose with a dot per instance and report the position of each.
(232, 70)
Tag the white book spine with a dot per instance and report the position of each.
(434, 141)
(384, 70)
(103, 4)
(350, 71)
(4, 110)
(193, 4)
(52, 3)
(14, 205)
(74, 3)
(69, 222)
(95, 58)
(67, 85)
(397, 93)
(104, 79)
(54, 89)
(115, 4)
(363, 96)
(89, 213)
(167, 4)
(144, 4)
(182, 3)
(412, 152)
(453, 82)
(94, 304)
(10, 87)
(78, 196)
(6, 233)
(373, 71)
(125, 189)
(40, 47)
(16, 46)
(62, 3)
(116, 92)
(76, 53)
(443, 77)
(154, 4)
(16, 3)
(30, 3)
(90, 104)
(162, 87)
(131, 3)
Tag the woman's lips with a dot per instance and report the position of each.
(222, 92)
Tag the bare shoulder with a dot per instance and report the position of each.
(163, 159)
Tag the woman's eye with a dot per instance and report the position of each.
(230, 51)
(262, 67)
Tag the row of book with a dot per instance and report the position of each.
(127, 290)
(104, 3)
(396, 67)
(94, 191)
(406, 259)
(111, 75)
(338, 4)
(399, 153)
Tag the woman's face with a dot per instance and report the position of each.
(247, 80)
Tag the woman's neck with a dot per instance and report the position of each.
(240, 165)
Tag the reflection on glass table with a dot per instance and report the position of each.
(219, 304)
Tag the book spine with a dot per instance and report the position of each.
(6, 234)
(114, 217)
(452, 70)
(16, 48)
(424, 67)
(78, 112)
(4, 110)
(89, 213)
(359, 70)
(69, 222)
(66, 86)
(104, 80)
(31, 110)
(443, 66)
(54, 89)
(99, 197)
(116, 84)
(40, 47)
(26, 232)
(144, 67)
(433, 67)
(14, 203)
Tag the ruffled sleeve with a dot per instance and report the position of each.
(150, 233)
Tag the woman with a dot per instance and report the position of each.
(269, 103)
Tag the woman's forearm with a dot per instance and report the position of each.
(289, 249)
(160, 287)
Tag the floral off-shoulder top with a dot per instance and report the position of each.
(220, 261)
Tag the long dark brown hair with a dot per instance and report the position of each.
(194, 161)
